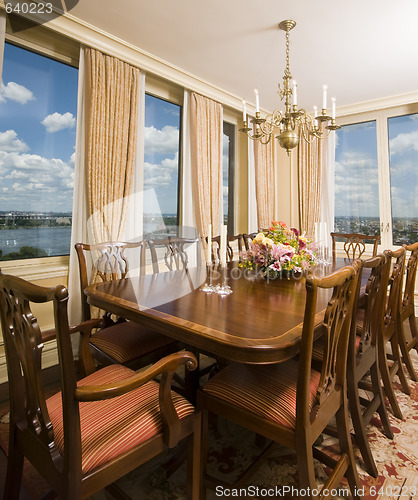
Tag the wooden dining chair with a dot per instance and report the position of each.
(123, 342)
(363, 360)
(231, 242)
(407, 305)
(390, 358)
(93, 431)
(247, 238)
(174, 253)
(290, 402)
(354, 244)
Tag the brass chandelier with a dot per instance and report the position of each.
(293, 122)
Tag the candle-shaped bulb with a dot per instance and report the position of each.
(333, 108)
(295, 93)
(257, 101)
(244, 110)
(324, 96)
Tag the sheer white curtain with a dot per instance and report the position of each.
(187, 205)
(80, 205)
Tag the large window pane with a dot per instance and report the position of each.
(38, 103)
(162, 153)
(356, 179)
(403, 157)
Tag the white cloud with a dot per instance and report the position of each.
(404, 142)
(160, 174)
(56, 122)
(164, 141)
(10, 143)
(15, 92)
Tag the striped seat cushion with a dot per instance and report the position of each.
(268, 391)
(113, 426)
(128, 340)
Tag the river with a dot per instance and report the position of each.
(54, 240)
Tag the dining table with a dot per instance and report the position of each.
(259, 322)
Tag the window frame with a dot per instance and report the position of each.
(381, 116)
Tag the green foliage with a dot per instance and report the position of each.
(25, 252)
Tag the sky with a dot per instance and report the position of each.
(38, 111)
(356, 168)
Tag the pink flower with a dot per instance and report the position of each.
(276, 266)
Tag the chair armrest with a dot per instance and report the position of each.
(85, 328)
(166, 367)
(168, 364)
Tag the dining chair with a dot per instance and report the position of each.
(390, 358)
(290, 402)
(96, 430)
(354, 244)
(174, 253)
(407, 305)
(124, 342)
(231, 242)
(366, 329)
(247, 239)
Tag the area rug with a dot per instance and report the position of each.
(232, 449)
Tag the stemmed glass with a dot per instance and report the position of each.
(223, 288)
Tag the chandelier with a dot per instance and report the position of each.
(293, 122)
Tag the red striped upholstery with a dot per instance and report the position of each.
(128, 340)
(114, 426)
(265, 390)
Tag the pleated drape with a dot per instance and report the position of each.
(310, 176)
(264, 183)
(206, 126)
(112, 137)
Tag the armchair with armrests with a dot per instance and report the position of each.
(290, 402)
(123, 342)
(93, 431)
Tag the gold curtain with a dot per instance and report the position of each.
(310, 174)
(112, 128)
(206, 154)
(264, 183)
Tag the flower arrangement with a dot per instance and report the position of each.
(279, 250)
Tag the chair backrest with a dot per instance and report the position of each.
(23, 345)
(411, 274)
(107, 261)
(247, 238)
(394, 299)
(373, 301)
(335, 329)
(354, 243)
(174, 253)
(230, 243)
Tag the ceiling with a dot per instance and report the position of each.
(362, 49)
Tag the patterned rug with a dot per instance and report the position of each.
(232, 449)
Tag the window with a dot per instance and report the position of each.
(356, 180)
(403, 160)
(38, 104)
(376, 175)
(228, 160)
(161, 172)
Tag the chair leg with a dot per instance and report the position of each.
(204, 453)
(359, 426)
(377, 390)
(305, 463)
(414, 331)
(387, 383)
(405, 353)
(14, 472)
(193, 463)
(346, 448)
(397, 360)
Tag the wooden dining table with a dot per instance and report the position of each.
(259, 322)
